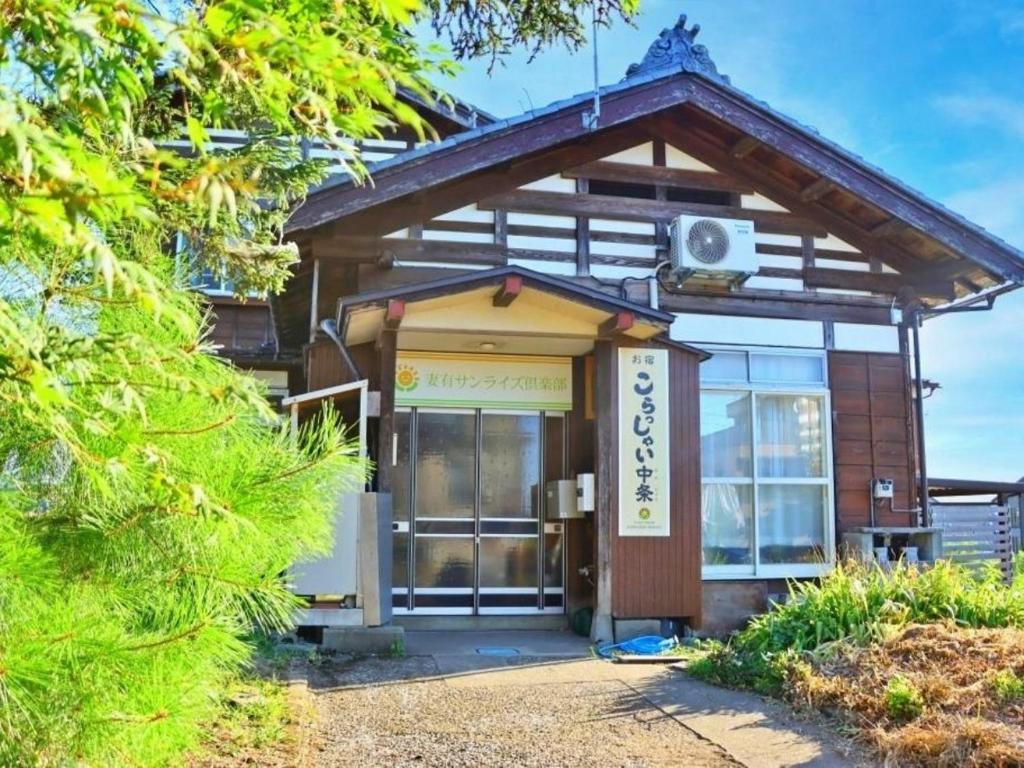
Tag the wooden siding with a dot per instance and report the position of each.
(579, 533)
(553, 217)
(243, 330)
(873, 437)
(657, 577)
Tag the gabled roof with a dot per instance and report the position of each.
(447, 115)
(678, 95)
(657, 322)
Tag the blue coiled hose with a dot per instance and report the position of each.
(647, 645)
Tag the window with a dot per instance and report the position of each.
(766, 492)
(647, 192)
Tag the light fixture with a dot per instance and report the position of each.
(487, 346)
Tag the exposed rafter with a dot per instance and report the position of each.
(509, 291)
(744, 147)
(816, 190)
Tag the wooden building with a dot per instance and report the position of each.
(514, 294)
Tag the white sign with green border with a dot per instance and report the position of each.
(454, 380)
(643, 442)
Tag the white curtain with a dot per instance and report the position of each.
(728, 526)
(791, 444)
(790, 436)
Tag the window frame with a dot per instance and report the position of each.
(752, 388)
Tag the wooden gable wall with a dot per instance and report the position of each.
(583, 222)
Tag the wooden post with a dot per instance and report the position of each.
(582, 234)
(606, 457)
(387, 344)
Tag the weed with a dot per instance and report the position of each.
(1008, 685)
(397, 650)
(858, 605)
(903, 701)
(252, 713)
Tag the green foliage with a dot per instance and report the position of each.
(903, 701)
(490, 29)
(397, 650)
(859, 604)
(1008, 685)
(250, 714)
(150, 502)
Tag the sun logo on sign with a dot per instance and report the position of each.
(644, 513)
(406, 378)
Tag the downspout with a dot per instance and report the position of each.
(917, 317)
(328, 326)
(926, 513)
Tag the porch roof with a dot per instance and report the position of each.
(510, 309)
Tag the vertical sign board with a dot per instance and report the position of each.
(643, 442)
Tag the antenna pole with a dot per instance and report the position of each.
(591, 118)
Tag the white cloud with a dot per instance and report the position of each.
(990, 110)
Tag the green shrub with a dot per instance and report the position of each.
(1008, 685)
(863, 604)
(902, 699)
(859, 604)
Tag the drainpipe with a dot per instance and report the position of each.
(328, 326)
(926, 513)
(981, 303)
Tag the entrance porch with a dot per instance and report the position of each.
(495, 384)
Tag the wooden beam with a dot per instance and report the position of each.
(816, 190)
(744, 304)
(387, 351)
(676, 133)
(500, 227)
(393, 314)
(876, 282)
(617, 324)
(770, 249)
(744, 147)
(682, 178)
(467, 190)
(484, 254)
(742, 113)
(632, 209)
(888, 228)
(606, 478)
(582, 233)
(807, 251)
(508, 292)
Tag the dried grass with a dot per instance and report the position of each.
(964, 723)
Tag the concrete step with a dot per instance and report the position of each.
(482, 623)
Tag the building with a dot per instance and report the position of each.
(243, 330)
(510, 295)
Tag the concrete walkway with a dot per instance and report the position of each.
(751, 730)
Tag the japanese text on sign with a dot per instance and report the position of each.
(643, 442)
(481, 381)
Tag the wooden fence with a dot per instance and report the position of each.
(976, 535)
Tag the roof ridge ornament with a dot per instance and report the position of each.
(675, 49)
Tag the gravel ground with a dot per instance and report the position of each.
(530, 712)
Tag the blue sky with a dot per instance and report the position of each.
(930, 90)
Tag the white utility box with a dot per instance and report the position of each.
(561, 501)
(883, 488)
(585, 492)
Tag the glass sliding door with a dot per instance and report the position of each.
(444, 507)
(401, 504)
(552, 560)
(510, 497)
(469, 529)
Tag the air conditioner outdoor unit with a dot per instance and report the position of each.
(712, 249)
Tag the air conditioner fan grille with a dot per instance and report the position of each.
(707, 241)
